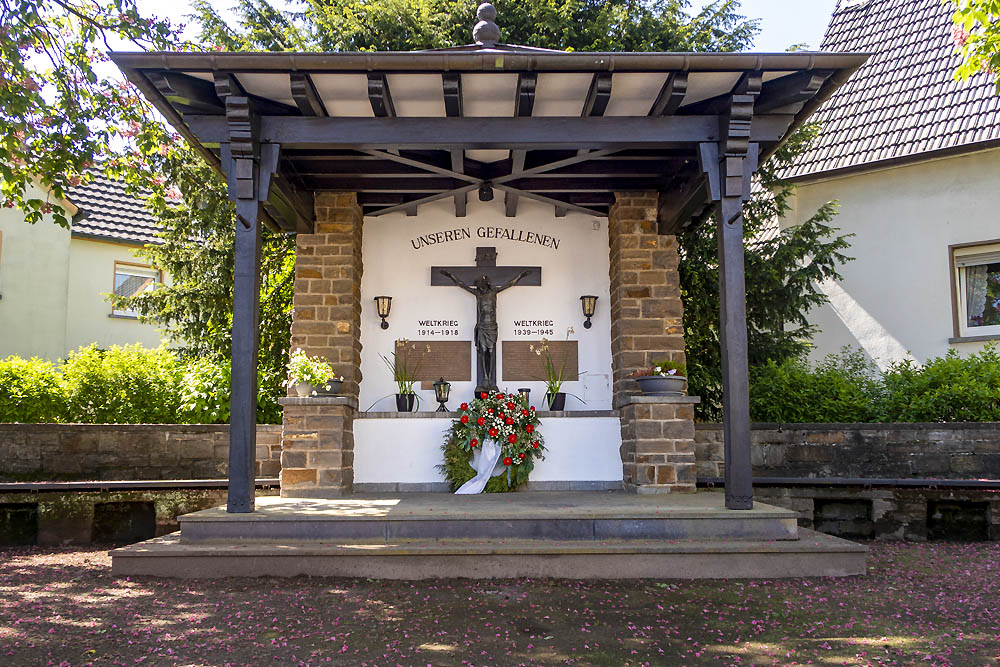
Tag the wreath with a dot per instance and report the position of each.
(504, 418)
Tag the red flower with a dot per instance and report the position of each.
(480, 421)
(510, 406)
(501, 415)
(493, 432)
(529, 428)
(525, 413)
(534, 445)
(464, 419)
(508, 461)
(474, 442)
(500, 396)
(521, 456)
(482, 394)
(491, 411)
(464, 406)
(532, 408)
(512, 438)
(509, 421)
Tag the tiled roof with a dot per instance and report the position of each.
(108, 211)
(904, 101)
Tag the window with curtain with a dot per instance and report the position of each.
(978, 273)
(130, 280)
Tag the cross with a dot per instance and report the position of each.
(485, 280)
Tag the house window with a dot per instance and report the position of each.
(977, 282)
(132, 279)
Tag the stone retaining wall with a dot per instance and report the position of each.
(60, 452)
(942, 451)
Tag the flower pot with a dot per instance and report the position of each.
(405, 402)
(557, 402)
(303, 389)
(657, 385)
(331, 388)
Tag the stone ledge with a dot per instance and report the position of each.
(644, 399)
(542, 414)
(316, 401)
(875, 426)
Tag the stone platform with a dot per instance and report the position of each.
(538, 534)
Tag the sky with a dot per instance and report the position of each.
(783, 22)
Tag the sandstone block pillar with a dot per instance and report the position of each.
(647, 326)
(317, 457)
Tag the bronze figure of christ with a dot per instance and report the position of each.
(485, 281)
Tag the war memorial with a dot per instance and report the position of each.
(475, 207)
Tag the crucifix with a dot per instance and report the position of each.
(484, 281)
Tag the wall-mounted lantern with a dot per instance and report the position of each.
(442, 390)
(383, 304)
(589, 303)
(525, 393)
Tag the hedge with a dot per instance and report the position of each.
(850, 388)
(121, 385)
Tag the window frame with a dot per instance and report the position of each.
(961, 332)
(114, 275)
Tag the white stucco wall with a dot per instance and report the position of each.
(392, 266)
(408, 450)
(895, 299)
(53, 291)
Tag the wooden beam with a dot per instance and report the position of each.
(194, 95)
(575, 158)
(525, 103)
(426, 166)
(596, 102)
(550, 201)
(792, 90)
(452, 84)
(671, 95)
(613, 134)
(379, 95)
(363, 184)
(425, 200)
(305, 95)
(461, 198)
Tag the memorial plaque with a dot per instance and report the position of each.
(521, 363)
(450, 359)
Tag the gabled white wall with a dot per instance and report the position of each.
(896, 298)
(579, 266)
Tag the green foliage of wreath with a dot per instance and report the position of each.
(458, 453)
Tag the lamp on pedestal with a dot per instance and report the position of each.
(589, 302)
(383, 304)
(442, 390)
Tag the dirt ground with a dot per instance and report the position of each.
(933, 604)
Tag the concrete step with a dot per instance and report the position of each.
(814, 554)
(556, 516)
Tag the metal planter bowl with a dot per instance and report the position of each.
(656, 385)
(331, 388)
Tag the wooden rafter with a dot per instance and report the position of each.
(304, 93)
(379, 95)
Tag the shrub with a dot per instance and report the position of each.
(948, 388)
(849, 388)
(30, 391)
(205, 393)
(842, 388)
(122, 385)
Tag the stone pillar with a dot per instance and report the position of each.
(647, 326)
(317, 443)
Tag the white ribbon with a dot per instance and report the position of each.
(486, 463)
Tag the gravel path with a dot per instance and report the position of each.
(930, 604)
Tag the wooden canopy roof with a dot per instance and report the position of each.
(567, 129)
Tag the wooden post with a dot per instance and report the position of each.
(729, 166)
(249, 168)
(246, 318)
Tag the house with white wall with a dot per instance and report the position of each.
(55, 282)
(913, 156)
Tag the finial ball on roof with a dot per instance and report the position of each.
(487, 12)
(486, 31)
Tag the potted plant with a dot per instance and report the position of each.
(555, 374)
(405, 373)
(663, 378)
(312, 376)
